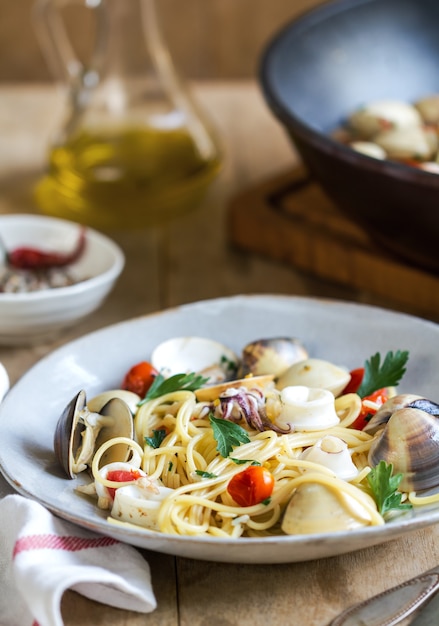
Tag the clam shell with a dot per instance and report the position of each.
(122, 426)
(315, 373)
(97, 402)
(315, 508)
(69, 429)
(184, 355)
(410, 441)
(401, 401)
(271, 356)
(67, 437)
(367, 121)
(416, 142)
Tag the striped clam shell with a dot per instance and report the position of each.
(400, 401)
(410, 442)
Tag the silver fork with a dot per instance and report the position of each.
(393, 605)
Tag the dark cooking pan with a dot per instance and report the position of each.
(327, 63)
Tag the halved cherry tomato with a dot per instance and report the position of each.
(355, 382)
(139, 378)
(379, 397)
(251, 486)
(121, 476)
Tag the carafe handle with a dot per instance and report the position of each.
(54, 40)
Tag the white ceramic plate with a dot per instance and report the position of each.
(346, 334)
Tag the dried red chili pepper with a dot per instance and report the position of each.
(27, 258)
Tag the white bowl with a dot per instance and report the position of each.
(32, 317)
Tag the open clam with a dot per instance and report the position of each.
(316, 508)
(370, 119)
(96, 403)
(413, 143)
(315, 373)
(79, 432)
(410, 441)
(400, 401)
(271, 356)
(184, 355)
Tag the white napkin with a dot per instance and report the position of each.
(42, 556)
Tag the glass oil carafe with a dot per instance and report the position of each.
(134, 150)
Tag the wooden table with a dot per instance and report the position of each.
(192, 259)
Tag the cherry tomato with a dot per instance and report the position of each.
(355, 382)
(378, 397)
(139, 378)
(121, 476)
(251, 486)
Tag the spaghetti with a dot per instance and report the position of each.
(191, 476)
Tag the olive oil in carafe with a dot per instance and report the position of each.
(126, 178)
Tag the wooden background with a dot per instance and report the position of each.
(210, 39)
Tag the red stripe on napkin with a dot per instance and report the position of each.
(55, 542)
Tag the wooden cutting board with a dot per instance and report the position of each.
(290, 219)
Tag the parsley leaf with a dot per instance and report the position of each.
(384, 488)
(157, 438)
(178, 382)
(377, 376)
(204, 474)
(227, 435)
(243, 461)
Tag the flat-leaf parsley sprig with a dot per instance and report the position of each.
(388, 374)
(227, 435)
(177, 382)
(384, 488)
(157, 438)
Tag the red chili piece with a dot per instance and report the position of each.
(122, 476)
(26, 258)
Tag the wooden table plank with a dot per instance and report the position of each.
(310, 593)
